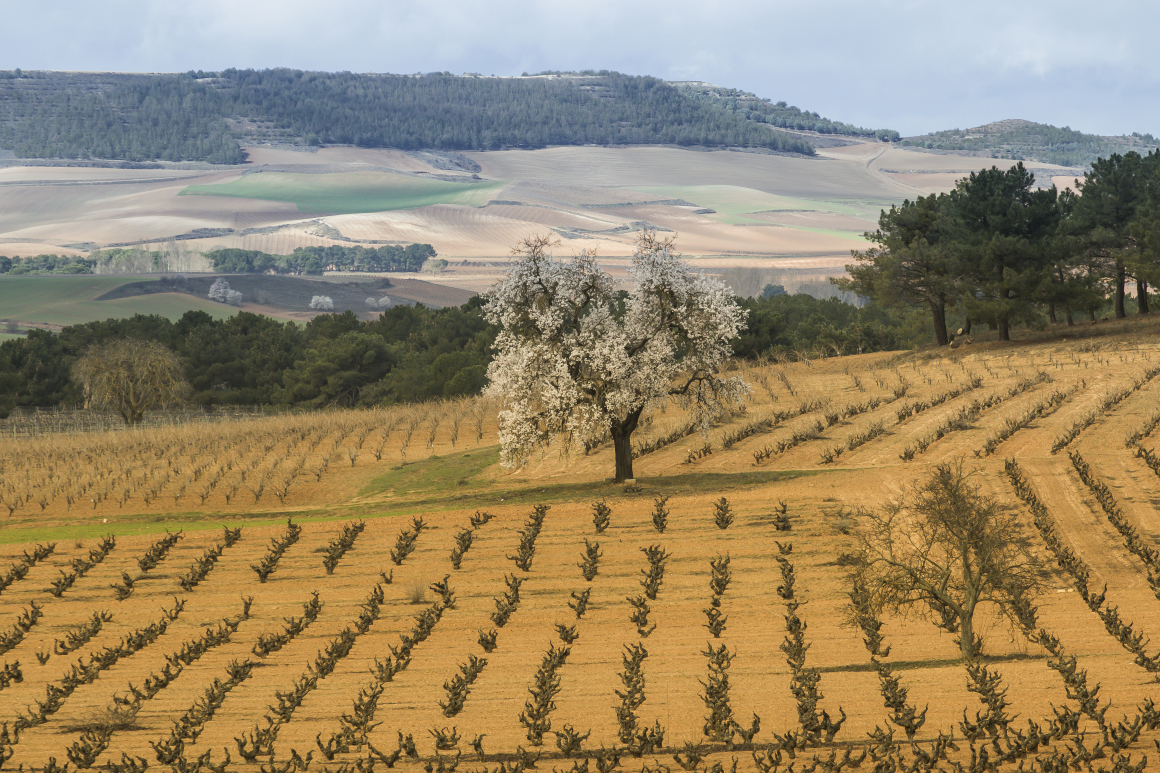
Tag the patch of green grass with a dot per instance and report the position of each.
(450, 473)
(470, 479)
(732, 203)
(70, 300)
(351, 192)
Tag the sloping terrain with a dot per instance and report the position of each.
(1030, 141)
(356, 483)
(775, 213)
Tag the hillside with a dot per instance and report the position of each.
(779, 114)
(1017, 139)
(790, 217)
(413, 559)
(203, 116)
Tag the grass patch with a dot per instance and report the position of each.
(733, 205)
(71, 300)
(351, 192)
(437, 473)
(469, 479)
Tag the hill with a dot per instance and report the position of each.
(202, 117)
(792, 217)
(779, 114)
(1028, 141)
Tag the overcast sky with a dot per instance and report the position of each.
(910, 65)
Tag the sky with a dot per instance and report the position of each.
(911, 65)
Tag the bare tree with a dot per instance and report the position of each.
(130, 376)
(941, 551)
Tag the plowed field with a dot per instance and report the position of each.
(395, 655)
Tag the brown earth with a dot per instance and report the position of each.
(445, 484)
(591, 198)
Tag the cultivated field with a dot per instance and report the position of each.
(494, 619)
(767, 211)
(70, 300)
(351, 192)
(51, 302)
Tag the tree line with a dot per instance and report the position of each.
(1000, 251)
(46, 264)
(409, 353)
(303, 260)
(186, 117)
(315, 260)
(780, 114)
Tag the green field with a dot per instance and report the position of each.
(350, 193)
(69, 300)
(732, 203)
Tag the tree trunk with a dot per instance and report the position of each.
(1004, 329)
(1121, 280)
(938, 311)
(1142, 295)
(1051, 313)
(1067, 312)
(622, 430)
(967, 326)
(967, 634)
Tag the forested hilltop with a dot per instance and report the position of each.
(1028, 141)
(779, 114)
(200, 116)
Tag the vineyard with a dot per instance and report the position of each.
(366, 590)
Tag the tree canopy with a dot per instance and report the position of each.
(144, 118)
(941, 552)
(130, 376)
(1001, 251)
(575, 360)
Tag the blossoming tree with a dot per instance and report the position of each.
(576, 360)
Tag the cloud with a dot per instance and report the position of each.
(914, 65)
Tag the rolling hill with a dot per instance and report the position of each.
(203, 116)
(1017, 139)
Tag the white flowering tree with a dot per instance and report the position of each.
(220, 291)
(576, 361)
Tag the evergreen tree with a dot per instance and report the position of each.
(1002, 231)
(1111, 193)
(913, 263)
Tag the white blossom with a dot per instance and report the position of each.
(570, 363)
(322, 303)
(220, 291)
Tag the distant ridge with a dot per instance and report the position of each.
(1019, 139)
(200, 116)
